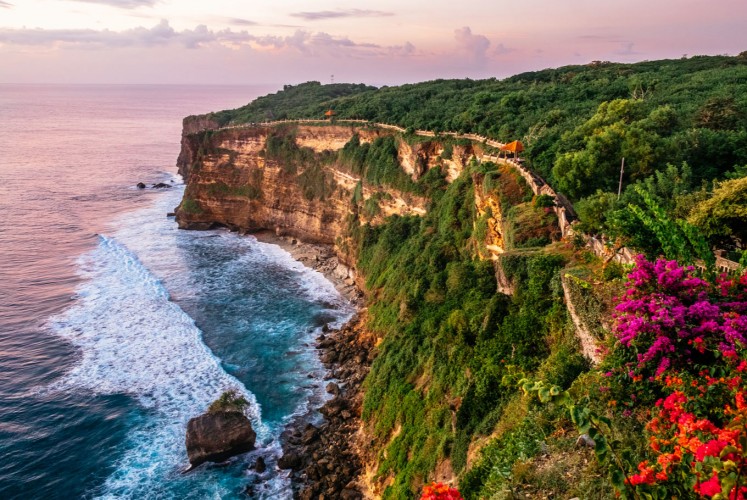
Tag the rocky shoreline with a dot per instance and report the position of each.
(325, 460)
(321, 258)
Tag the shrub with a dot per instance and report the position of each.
(230, 400)
(671, 319)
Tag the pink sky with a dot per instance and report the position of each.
(383, 42)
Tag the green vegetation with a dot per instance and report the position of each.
(190, 206)
(307, 100)
(577, 123)
(251, 191)
(230, 400)
(449, 339)
(376, 162)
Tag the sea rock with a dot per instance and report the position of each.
(260, 465)
(333, 388)
(161, 185)
(217, 436)
(140, 185)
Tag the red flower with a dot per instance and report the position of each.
(440, 491)
(710, 487)
(711, 449)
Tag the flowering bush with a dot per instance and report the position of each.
(698, 438)
(439, 491)
(670, 319)
(685, 337)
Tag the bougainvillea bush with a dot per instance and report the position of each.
(680, 357)
(670, 319)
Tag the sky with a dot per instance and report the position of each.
(386, 42)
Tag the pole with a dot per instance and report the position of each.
(620, 186)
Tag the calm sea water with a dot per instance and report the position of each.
(115, 327)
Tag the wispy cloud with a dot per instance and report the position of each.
(333, 14)
(237, 21)
(123, 4)
(5, 5)
(159, 35)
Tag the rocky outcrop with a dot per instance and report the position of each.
(217, 436)
(488, 205)
(192, 125)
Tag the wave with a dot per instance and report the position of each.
(134, 340)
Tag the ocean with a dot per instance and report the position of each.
(115, 326)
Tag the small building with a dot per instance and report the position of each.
(330, 114)
(514, 147)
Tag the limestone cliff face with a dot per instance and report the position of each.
(488, 206)
(416, 159)
(191, 125)
(232, 182)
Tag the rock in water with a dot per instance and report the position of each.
(218, 435)
(140, 185)
(260, 465)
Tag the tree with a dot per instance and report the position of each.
(723, 215)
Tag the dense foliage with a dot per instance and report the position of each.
(448, 337)
(443, 390)
(676, 369)
(376, 162)
(308, 100)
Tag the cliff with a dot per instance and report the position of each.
(235, 180)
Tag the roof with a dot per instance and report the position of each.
(514, 147)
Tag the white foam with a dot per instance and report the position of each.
(134, 340)
(313, 284)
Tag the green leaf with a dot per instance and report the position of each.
(601, 449)
(617, 478)
(544, 395)
(727, 450)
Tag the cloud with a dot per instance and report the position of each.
(476, 46)
(162, 35)
(237, 21)
(5, 5)
(123, 4)
(501, 49)
(334, 14)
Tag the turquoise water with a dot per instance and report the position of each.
(115, 326)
